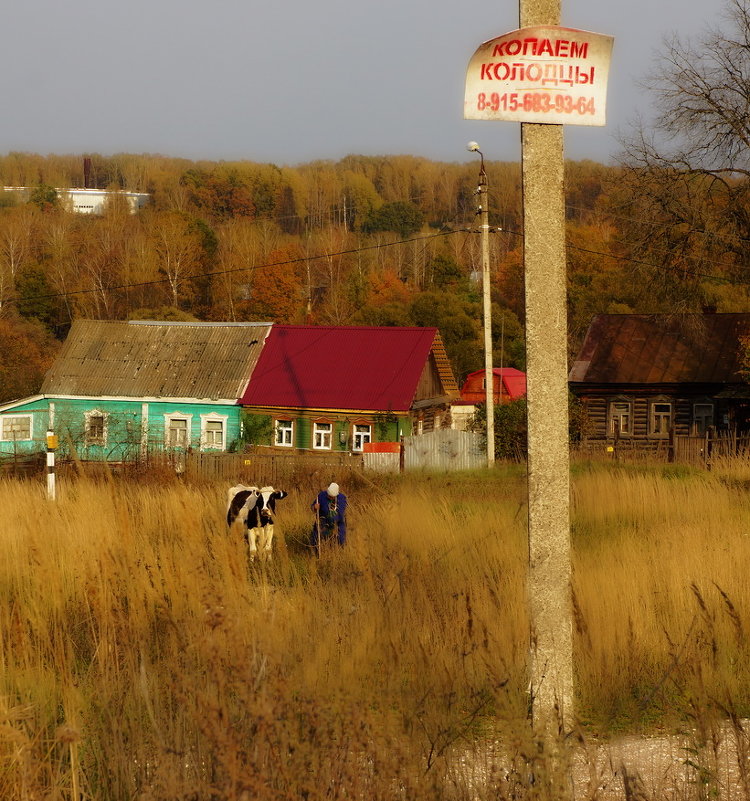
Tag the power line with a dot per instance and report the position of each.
(378, 246)
(632, 260)
(269, 265)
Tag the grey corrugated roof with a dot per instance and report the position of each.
(149, 359)
(662, 349)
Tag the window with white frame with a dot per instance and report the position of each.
(17, 427)
(660, 418)
(214, 432)
(361, 433)
(177, 430)
(284, 433)
(322, 433)
(621, 418)
(703, 417)
(95, 432)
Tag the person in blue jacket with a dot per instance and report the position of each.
(330, 515)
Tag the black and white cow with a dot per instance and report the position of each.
(256, 508)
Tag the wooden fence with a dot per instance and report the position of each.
(253, 468)
(442, 450)
(685, 449)
(261, 468)
(711, 446)
(22, 465)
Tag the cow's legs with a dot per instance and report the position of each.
(265, 540)
(252, 537)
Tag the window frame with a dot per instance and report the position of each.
(357, 436)
(8, 417)
(282, 427)
(168, 420)
(613, 415)
(654, 429)
(88, 439)
(213, 417)
(700, 430)
(318, 430)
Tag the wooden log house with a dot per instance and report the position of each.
(645, 379)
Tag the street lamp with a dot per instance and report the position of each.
(484, 214)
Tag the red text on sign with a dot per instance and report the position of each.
(544, 74)
(559, 48)
(535, 102)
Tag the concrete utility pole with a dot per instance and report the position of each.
(549, 580)
(489, 381)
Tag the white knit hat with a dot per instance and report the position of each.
(333, 489)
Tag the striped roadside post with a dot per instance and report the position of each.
(51, 447)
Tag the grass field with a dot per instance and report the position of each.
(144, 658)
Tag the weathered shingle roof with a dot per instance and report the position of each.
(145, 359)
(345, 367)
(662, 349)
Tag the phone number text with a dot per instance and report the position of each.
(540, 102)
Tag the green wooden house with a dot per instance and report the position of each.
(118, 390)
(338, 388)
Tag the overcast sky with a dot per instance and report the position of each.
(292, 81)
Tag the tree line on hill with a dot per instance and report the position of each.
(370, 241)
(389, 240)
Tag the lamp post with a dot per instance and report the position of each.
(484, 213)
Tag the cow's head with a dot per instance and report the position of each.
(266, 503)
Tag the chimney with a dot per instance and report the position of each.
(86, 172)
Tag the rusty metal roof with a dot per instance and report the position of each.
(149, 359)
(346, 367)
(662, 349)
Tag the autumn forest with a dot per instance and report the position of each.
(366, 240)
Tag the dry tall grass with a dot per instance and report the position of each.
(144, 658)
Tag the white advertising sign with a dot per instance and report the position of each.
(542, 74)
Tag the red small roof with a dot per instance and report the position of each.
(514, 381)
(326, 367)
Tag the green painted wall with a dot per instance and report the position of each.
(38, 413)
(385, 428)
(124, 426)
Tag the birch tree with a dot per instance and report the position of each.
(177, 247)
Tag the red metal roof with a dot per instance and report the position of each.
(323, 367)
(514, 384)
(662, 349)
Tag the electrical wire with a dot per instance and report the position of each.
(365, 248)
(269, 265)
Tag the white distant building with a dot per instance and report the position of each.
(93, 201)
(88, 201)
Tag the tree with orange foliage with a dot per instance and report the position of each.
(387, 300)
(386, 287)
(276, 291)
(27, 350)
